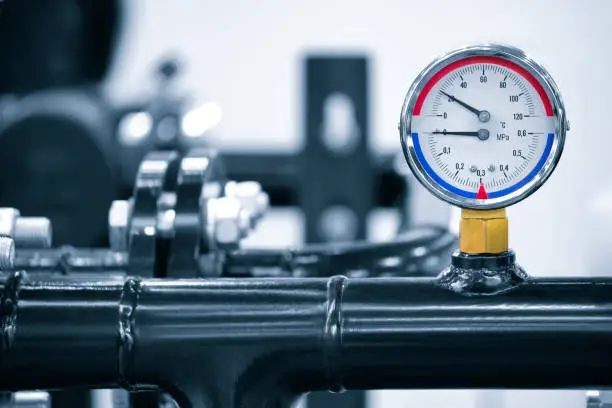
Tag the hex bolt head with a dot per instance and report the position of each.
(230, 188)
(252, 198)
(228, 227)
(118, 224)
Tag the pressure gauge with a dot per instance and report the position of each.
(483, 127)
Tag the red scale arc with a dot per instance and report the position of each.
(483, 60)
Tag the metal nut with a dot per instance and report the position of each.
(252, 198)
(228, 227)
(230, 188)
(118, 224)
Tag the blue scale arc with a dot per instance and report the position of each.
(472, 194)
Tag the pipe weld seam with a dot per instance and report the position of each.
(8, 309)
(127, 328)
(332, 332)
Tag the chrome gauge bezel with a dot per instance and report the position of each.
(517, 57)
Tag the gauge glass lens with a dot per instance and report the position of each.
(482, 129)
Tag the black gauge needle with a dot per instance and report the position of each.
(482, 134)
(483, 115)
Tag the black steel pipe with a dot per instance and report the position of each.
(58, 334)
(258, 342)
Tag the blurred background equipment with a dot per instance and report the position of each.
(71, 151)
(57, 45)
(55, 128)
(56, 147)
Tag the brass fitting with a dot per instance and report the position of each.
(483, 232)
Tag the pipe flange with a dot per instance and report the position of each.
(200, 179)
(157, 173)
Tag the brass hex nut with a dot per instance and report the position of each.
(483, 232)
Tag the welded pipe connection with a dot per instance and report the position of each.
(261, 342)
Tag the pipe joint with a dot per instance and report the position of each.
(127, 328)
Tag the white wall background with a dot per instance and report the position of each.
(245, 54)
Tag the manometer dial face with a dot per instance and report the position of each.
(483, 127)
